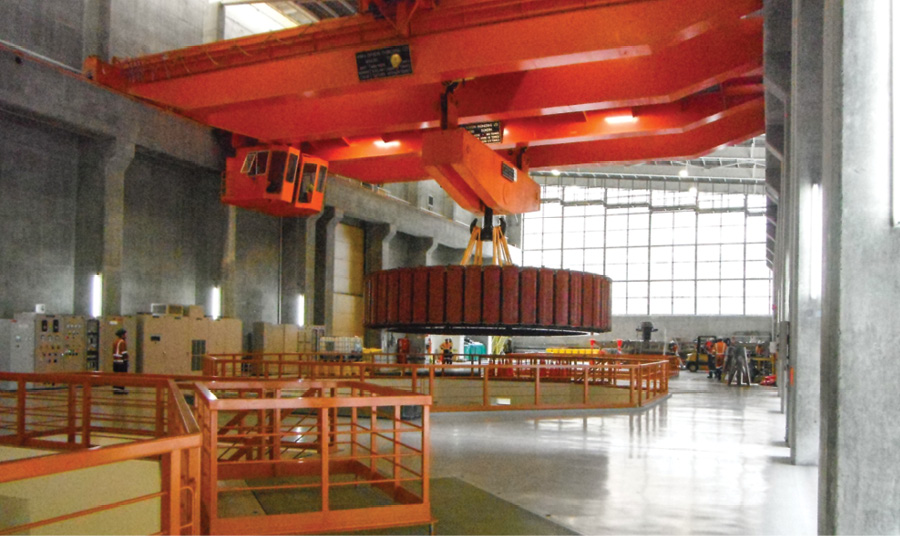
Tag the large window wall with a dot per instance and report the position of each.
(676, 251)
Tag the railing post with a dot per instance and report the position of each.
(485, 387)
(395, 437)
(640, 381)
(323, 438)
(160, 408)
(537, 384)
(70, 425)
(587, 369)
(21, 401)
(86, 415)
(631, 386)
(193, 476)
(171, 487)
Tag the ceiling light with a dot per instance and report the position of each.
(385, 144)
(621, 119)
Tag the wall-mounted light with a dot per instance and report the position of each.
(215, 303)
(815, 239)
(301, 310)
(693, 190)
(96, 295)
(386, 144)
(683, 173)
(555, 172)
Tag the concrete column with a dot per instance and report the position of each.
(859, 466)
(297, 259)
(95, 32)
(378, 240)
(229, 260)
(214, 23)
(117, 158)
(309, 272)
(806, 229)
(324, 278)
(421, 249)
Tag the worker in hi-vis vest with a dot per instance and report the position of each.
(120, 358)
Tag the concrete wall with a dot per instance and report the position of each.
(51, 28)
(166, 204)
(38, 177)
(139, 27)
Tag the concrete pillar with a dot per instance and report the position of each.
(229, 260)
(297, 261)
(214, 23)
(806, 230)
(859, 466)
(378, 241)
(324, 278)
(117, 158)
(421, 249)
(95, 28)
(88, 223)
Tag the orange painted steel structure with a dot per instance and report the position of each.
(322, 440)
(687, 73)
(80, 409)
(645, 381)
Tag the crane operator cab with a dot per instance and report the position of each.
(276, 180)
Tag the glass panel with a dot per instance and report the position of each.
(638, 272)
(707, 306)
(707, 289)
(637, 290)
(758, 306)
(637, 306)
(663, 220)
(663, 254)
(552, 241)
(617, 223)
(276, 172)
(573, 259)
(758, 270)
(594, 268)
(707, 270)
(551, 210)
(640, 237)
(732, 306)
(593, 256)
(661, 289)
(661, 237)
(660, 306)
(661, 271)
(616, 272)
(708, 253)
(732, 289)
(553, 225)
(531, 258)
(733, 270)
(307, 183)
(552, 259)
(616, 238)
(291, 174)
(756, 252)
(683, 270)
(683, 289)
(594, 239)
(757, 288)
(683, 306)
(733, 253)
(618, 306)
(323, 174)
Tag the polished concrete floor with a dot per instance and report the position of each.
(709, 460)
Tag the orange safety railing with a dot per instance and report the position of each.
(315, 456)
(542, 381)
(79, 414)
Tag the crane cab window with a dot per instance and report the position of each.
(307, 183)
(276, 172)
(291, 174)
(323, 173)
(256, 163)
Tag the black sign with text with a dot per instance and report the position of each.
(486, 132)
(383, 63)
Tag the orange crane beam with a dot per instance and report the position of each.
(667, 76)
(532, 35)
(372, 160)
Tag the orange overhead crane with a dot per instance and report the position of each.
(392, 94)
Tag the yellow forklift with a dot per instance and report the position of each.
(700, 357)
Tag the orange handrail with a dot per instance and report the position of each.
(49, 418)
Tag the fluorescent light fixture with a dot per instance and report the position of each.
(301, 309)
(215, 306)
(385, 144)
(683, 173)
(555, 172)
(96, 295)
(815, 242)
(621, 119)
(895, 115)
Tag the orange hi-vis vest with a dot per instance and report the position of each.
(120, 350)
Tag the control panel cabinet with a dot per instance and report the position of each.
(45, 343)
